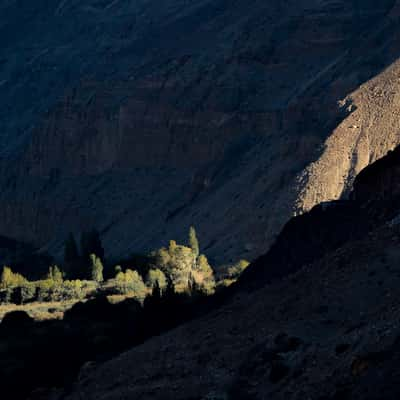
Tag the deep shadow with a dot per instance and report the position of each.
(38, 356)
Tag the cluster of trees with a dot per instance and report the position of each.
(178, 268)
(185, 266)
(15, 288)
(85, 274)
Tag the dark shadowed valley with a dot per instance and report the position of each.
(200, 199)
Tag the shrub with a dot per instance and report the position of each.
(232, 272)
(237, 269)
(73, 290)
(43, 289)
(6, 295)
(28, 292)
(131, 282)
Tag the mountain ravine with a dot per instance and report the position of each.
(147, 117)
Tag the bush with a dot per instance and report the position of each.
(130, 282)
(232, 272)
(6, 295)
(237, 269)
(28, 292)
(44, 290)
(73, 290)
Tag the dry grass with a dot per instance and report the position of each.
(39, 311)
(119, 298)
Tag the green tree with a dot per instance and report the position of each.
(135, 282)
(97, 268)
(6, 277)
(176, 263)
(156, 277)
(193, 242)
(131, 282)
(203, 276)
(11, 279)
(55, 274)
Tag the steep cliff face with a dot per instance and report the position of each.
(141, 118)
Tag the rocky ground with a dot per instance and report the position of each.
(321, 329)
(329, 332)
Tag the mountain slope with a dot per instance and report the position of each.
(328, 331)
(141, 119)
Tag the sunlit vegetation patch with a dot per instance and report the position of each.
(177, 268)
(97, 309)
(230, 273)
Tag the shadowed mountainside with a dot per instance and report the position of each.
(328, 330)
(147, 117)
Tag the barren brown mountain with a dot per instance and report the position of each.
(269, 126)
(141, 118)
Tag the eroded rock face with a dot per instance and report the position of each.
(142, 118)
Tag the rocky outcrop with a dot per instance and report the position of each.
(374, 202)
(141, 119)
(380, 180)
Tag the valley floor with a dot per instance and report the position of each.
(39, 311)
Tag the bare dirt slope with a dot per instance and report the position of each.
(140, 118)
(360, 139)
